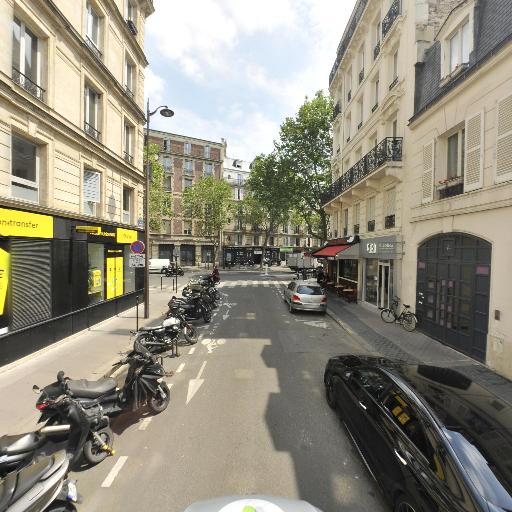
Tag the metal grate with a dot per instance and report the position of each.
(24, 81)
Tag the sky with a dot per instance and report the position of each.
(235, 69)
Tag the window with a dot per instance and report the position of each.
(348, 85)
(256, 240)
(239, 179)
(168, 183)
(361, 63)
(239, 239)
(455, 155)
(92, 192)
(92, 112)
(187, 227)
(25, 59)
(285, 228)
(96, 269)
(167, 227)
(248, 240)
(348, 122)
(459, 47)
(395, 65)
(296, 230)
(187, 148)
(207, 151)
(271, 240)
(167, 163)
(361, 109)
(25, 169)
(377, 33)
(356, 214)
(188, 167)
(130, 78)
(208, 169)
(187, 182)
(370, 213)
(389, 208)
(345, 222)
(131, 11)
(128, 143)
(127, 205)
(297, 242)
(93, 30)
(395, 128)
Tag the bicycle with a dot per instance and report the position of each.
(407, 319)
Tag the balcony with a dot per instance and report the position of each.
(131, 27)
(356, 229)
(337, 111)
(348, 139)
(394, 11)
(128, 157)
(361, 75)
(27, 84)
(451, 187)
(376, 50)
(90, 130)
(129, 92)
(393, 83)
(92, 46)
(388, 150)
(389, 221)
(375, 107)
(349, 96)
(371, 226)
(360, 125)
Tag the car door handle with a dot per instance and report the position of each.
(363, 406)
(400, 458)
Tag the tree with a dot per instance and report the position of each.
(160, 201)
(268, 201)
(209, 203)
(304, 153)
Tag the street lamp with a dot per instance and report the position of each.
(165, 111)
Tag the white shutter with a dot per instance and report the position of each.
(427, 180)
(504, 141)
(92, 186)
(474, 153)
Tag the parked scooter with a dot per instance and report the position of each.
(194, 307)
(142, 385)
(39, 486)
(172, 270)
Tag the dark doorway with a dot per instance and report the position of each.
(207, 254)
(188, 255)
(165, 251)
(452, 302)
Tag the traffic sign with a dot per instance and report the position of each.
(137, 260)
(137, 247)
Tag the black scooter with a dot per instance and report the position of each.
(194, 307)
(172, 271)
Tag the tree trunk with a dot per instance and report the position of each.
(265, 240)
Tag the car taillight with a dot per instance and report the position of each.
(324, 300)
(295, 298)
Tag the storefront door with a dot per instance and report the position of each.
(188, 255)
(384, 284)
(114, 276)
(371, 281)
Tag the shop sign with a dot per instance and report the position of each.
(137, 261)
(258, 251)
(17, 223)
(126, 236)
(386, 247)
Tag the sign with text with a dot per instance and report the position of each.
(126, 236)
(17, 223)
(137, 261)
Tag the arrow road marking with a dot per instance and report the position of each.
(195, 384)
(114, 471)
(191, 351)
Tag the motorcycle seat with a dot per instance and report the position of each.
(91, 388)
(154, 328)
(21, 443)
(30, 475)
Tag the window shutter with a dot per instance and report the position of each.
(504, 141)
(92, 186)
(474, 159)
(427, 181)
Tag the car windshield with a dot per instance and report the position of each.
(309, 290)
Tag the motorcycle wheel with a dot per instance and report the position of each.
(158, 404)
(59, 506)
(207, 315)
(92, 452)
(190, 334)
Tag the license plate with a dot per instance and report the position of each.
(72, 494)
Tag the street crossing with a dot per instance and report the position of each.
(259, 284)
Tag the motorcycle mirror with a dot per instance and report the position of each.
(36, 389)
(60, 376)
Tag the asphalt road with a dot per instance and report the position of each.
(247, 415)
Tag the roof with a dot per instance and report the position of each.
(330, 250)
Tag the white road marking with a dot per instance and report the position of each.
(191, 351)
(195, 384)
(201, 370)
(114, 471)
(144, 423)
(180, 368)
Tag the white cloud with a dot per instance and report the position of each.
(154, 86)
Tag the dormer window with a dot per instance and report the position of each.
(459, 47)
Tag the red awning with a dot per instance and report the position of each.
(330, 250)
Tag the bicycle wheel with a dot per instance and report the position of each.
(387, 315)
(409, 322)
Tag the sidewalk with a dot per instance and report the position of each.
(88, 354)
(390, 340)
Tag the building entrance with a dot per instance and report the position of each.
(384, 284)
(452, 295)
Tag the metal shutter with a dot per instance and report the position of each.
(504, 141)
(473, 166)
(92, 186)
(427, 180)
(31, 282)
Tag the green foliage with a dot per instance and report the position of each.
(303, 153)
(160, 201)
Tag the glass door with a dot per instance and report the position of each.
(383, 284)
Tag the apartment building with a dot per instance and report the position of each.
(457, 236)
(185, 159)
(372, 84)
(71, 181)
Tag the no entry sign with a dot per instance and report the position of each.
(137, 247)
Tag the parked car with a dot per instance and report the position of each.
(159, 265)
(433, 439)
(305, 296)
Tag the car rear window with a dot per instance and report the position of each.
(310, 290)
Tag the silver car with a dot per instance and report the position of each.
(305, 296)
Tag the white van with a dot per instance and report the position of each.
(158, 265)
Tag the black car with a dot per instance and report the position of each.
(432, 438)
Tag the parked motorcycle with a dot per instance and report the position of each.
(41, 485)
(194, 307)
(173, 270)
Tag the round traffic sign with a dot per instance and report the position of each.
(137, 247)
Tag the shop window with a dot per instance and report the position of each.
(128, 273)
(95, 277)
(371, 281)
(92, 193)
(127, 205)
(349, 269)
(25, 169)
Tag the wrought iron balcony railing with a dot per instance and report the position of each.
(360, 125)
(393, 83)
(129, 92)
(376, 50)
(361, 75)
(92, 45)
(356, 229)
(337, 110)
(375, 107)
(453, 187)
(389, 221)
(128, 157)
(27, 84)
(90, 130)
(349, 95)
(132, 27)
(387, 150)
(371, 225)
(394, 11)
(348, 139)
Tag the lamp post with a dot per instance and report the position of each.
(165, 111)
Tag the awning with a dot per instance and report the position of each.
(330, 250)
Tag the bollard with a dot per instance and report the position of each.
(137, 315)
(161, 280)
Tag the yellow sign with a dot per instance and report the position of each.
(16, 223)
(114, 277)
(93, 230)
(126, 236)
(4, 278)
